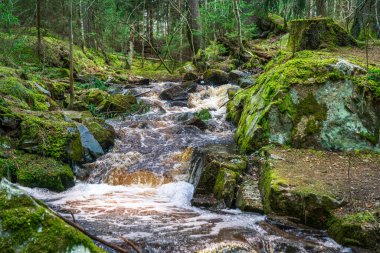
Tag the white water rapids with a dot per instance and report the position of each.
(139, 190)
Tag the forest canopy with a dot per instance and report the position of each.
(174, 29)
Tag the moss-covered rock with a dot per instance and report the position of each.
(36, 171)
(313, 34)
(248, 196)
(14, 90)
(361, 230)
(117, 104)
(217, 177)
(50, 135)
(216, 77)
(311, 100)
(225, 185)
(27, 226)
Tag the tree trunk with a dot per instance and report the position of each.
(238, 22)
(151, 31)
(71, 58)
(131, 48)
(82, 25)
(194, 20)
(321, 8)
(38, 23)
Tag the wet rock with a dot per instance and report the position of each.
(190, 76)
(216, 173)
(197, 122)
(248, 197)
(36, 171)
(225, 185)
(179, 92)
(138, 80)
(216, 77)
(245, 82)
(235, 75)
(23, 218)
(117, 104)
(90, 145)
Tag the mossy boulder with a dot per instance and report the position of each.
(216, 177)
(117, 104)
(359, 230)
(216, 77)
(190, 76)
(50, 135)
(27, 226)
(318, 33)
(21, 96)
(36, 171)
(312, 100)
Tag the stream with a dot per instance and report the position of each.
(140, 190)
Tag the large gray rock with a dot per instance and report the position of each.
(323, 109)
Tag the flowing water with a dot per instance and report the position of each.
(140, 189)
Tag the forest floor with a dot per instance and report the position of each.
(350, 177)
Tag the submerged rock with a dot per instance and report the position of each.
(27, 226)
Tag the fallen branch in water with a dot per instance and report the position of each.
(93, 237)
(146, 92)
(134, 246)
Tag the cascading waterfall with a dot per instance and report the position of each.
(141, 189)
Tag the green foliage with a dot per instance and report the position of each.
(219, 19)
(96, 83)
(7, 17)
(203, 114)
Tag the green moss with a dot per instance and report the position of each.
(204, 115)
(317, 33)
(13, 87)
(360, 229)
(50, 135)
(29, 227)
(35, 171)
(306, 68)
